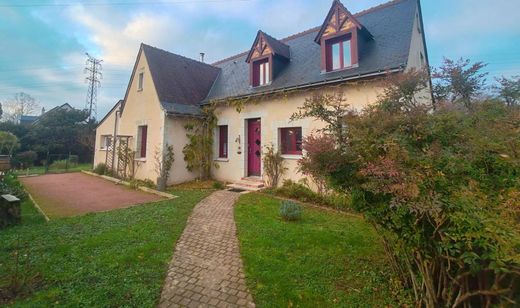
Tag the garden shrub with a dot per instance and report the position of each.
(10, 185)
(100, 169)
(273, 166)
(26, 159)
(290, 211)
(218, 185)
(302, 192)
(63, 164)
(441, 187)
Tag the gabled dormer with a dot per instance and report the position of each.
(267, 57)
(340, 38)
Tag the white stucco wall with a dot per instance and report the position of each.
(275, 114)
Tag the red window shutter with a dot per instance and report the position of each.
(328, 56)
(144, 133)
(256, 74)
(223, 141)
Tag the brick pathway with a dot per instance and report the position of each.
(206, 269)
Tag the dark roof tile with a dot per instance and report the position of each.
(179, 80)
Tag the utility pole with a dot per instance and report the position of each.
(93, 69)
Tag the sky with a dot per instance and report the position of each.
(43, 42)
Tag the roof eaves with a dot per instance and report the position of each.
(399, 68)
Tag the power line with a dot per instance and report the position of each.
(117, 3)
(93, 69)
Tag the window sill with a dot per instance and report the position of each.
(292, 156)
(139, 90)
(143, 159)
(222, 159)
(103, 149)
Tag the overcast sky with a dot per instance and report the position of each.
(43, 42)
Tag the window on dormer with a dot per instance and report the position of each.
(339, 53)
(261, 73)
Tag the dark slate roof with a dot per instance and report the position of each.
(390, 25)
(278, 47)
(181, 83)
(28, 119)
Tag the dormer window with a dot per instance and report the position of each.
(339, 53)
(267, 58)
(341, 36)
(261, 72)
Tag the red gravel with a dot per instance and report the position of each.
(71, 194)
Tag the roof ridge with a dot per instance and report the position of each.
(178, 55)
(317, 28)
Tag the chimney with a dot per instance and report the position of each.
(202, 57)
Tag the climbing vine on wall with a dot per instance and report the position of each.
(198, 152)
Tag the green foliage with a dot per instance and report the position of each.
(10, 185)
(290, 211)
(8, 143)
(163, 164)
(63, 164)
(111, 259)
(327, 259)
(273, 166)
(100, 169)
(26, 159)
(508, 90)
(329, 108)
(302, 192)
(439, 187)
(198, 152)
(458, 81)
(218, 185)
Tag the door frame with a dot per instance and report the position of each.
(246, 147)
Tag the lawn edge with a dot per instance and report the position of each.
(142, 188)
(35, 204)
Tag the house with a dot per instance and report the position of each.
(33, 119)
(348, 53)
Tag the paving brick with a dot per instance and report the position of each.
(206, 268)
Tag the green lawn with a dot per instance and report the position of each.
(326, 259)
(41, 169)
(110, 259)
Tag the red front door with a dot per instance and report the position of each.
(254, 147)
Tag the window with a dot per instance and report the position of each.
(339, 53)
(140, 83)
(223, 141)
(261, 73)
(142, 132)
(291, 140)
(106, 142)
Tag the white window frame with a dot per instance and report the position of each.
(140, 81)
(104, 144)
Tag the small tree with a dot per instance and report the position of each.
(331, 109)
(8, 143)
(508, 89)
(459, 81)
(163, 164)
(406, 91)
(273, 166)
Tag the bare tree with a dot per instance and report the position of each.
(21, 104)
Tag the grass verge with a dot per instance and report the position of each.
(116, 258)
(326, 259)
(38, 170)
